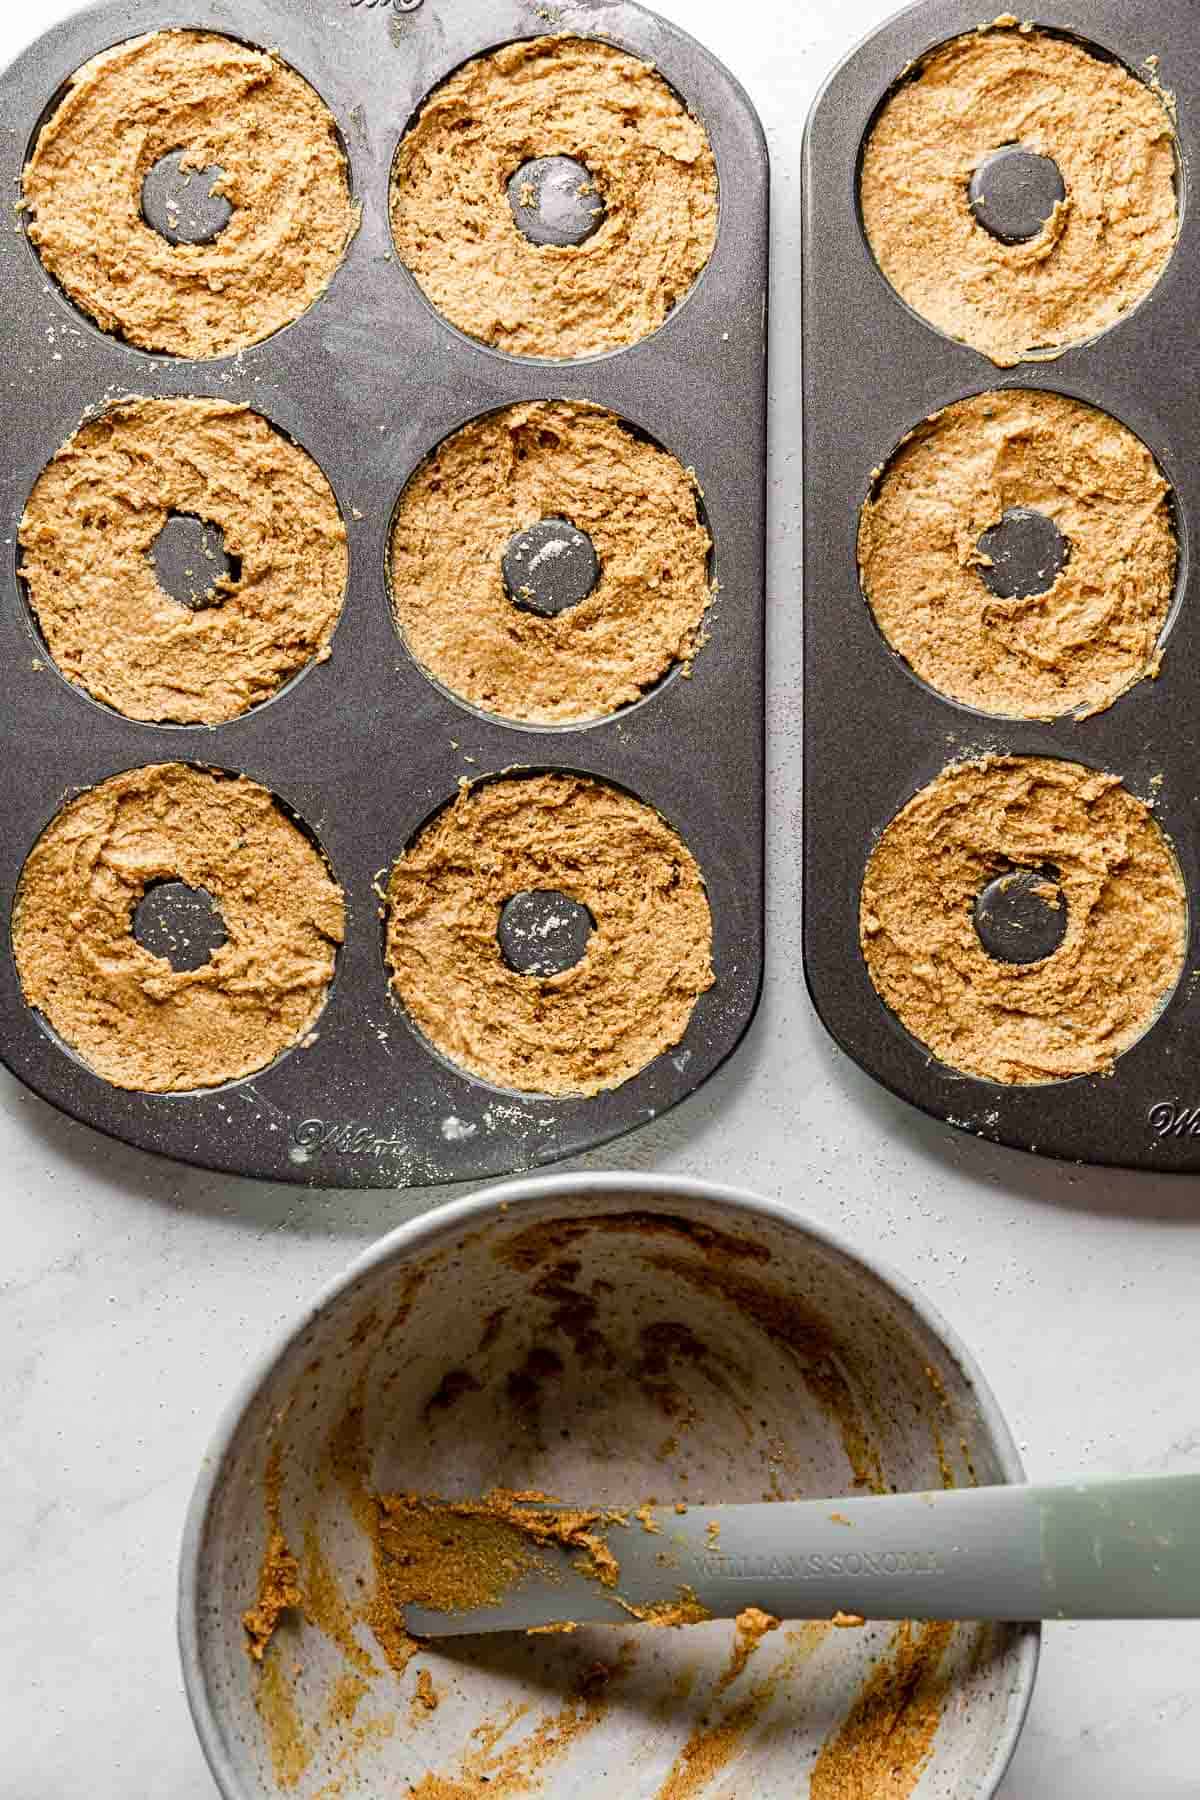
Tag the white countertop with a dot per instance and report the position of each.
(134, 1292)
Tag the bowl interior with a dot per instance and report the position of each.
(600, 1347)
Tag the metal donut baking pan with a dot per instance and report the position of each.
(364, 748)
(872, 371)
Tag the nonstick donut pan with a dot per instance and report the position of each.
(363, 748)
(874, 734)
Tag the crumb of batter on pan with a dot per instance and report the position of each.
(847, 1621)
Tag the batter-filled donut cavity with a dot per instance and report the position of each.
(549, 564)
(1025, 919)
(183, 560)
(555, 198)
(189, 193)
(1018, 190)
(549, 934)
(241, 917)
(1019, 552)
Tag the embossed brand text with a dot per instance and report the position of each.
(816, 1566)
(1170, 1120)
(347, 1137)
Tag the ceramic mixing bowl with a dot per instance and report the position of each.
(604, 1339)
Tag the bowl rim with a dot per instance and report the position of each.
(422, 1235)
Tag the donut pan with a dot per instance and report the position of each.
(874, 735)
(364, 748)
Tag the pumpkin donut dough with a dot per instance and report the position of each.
(134, 1019)
(647, 961)
(652, 167)
(1075, 1011)
(91, 522)
(225, 106)
(495, 478)
(1104, 246)
(1094, 632)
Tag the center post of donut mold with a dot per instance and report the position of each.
(179, 201)
(1021, 915)
(1026, 553)
(555, 200)
(190, 558)
(550, 567)
(180, 923)
(1014, 191)
(542, 932)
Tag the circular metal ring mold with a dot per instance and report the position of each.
(1163, 460)
(912, 73)
(591, 357)
(710, 625)
(285, 688)
(148, 1097)
(78, 312)
(521, 1096)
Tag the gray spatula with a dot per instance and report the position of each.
(1084, 1550)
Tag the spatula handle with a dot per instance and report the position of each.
(1088, 1550)
(1082, 1550)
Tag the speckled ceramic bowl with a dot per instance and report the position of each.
(609, 1339)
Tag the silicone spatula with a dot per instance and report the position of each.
(1127, 1549)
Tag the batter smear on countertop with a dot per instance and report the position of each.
(1094, 629)
(88, 534)
(226, 107)
(1104, 245)
(497, 477)
(648, 158)
(133, 1017)
(647, 960)
(1106, 861)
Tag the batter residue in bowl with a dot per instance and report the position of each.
(883, 1745)
(465, 1552)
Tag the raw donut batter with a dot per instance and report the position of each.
(226, 107)
(1072, 1013)
(1093, 632)
(597, 1023)
(498, 476)
(650, 162)
(90, 525)
(1104, 245)
(130, 1015)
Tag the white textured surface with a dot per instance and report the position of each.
(134, 1293)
